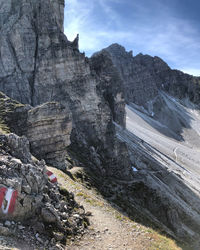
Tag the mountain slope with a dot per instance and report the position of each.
(163, 136)
(109, 227)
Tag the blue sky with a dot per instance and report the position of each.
(165, 28)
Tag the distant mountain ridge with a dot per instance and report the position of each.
(144, 75)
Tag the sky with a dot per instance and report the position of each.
(165, 28)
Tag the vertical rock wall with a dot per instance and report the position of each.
(58, 6)
(38, 64)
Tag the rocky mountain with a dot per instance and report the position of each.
(38, 65)
(144, 75)
(57, 109)
(147, 80)
(60, 106)
(34, 203)
(163, 136)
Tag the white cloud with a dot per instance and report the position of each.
(194, 72)
(77, 17)
(174, 39)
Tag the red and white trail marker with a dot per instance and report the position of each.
(52, 177)
(2, 195)
(8, 198)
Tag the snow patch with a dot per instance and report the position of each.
(134, 169)
(152, 113)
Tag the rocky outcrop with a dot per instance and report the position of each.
(47, 127)
(38, 65)
(26, 194)
(13, 115)
(163, 191)
(147, 83)
(139, 88)
(48, 131)
(19, 173)
(110, 85)
(163, 110)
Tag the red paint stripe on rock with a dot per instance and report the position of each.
(2, 195)
(52, 177)
(12, 202)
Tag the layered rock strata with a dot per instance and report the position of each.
(58, 7)
(163, 111)
(163, 192)
(38, 64)
(48, 131)
(47, 127)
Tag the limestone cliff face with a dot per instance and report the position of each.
(38, 65)
(48, 130)
(58, 6)
(137, 81)
(47, 127)
(110, 84)
(144, 76)
(27, 30)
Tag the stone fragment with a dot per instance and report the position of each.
(58, 236)
(7, 223)
(5, 231)
(48, 216)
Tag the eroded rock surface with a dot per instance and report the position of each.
(58, 6)
(38, 65)
(111, 85)
(139, 88)
(67, 97)
(48, 130)
(38, 203)
(144, 76)
(162, 134)
(164, 191)
(47, 127)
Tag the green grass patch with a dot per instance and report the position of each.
(161, 242)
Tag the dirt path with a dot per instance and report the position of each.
(109, 229)
(110, 232)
